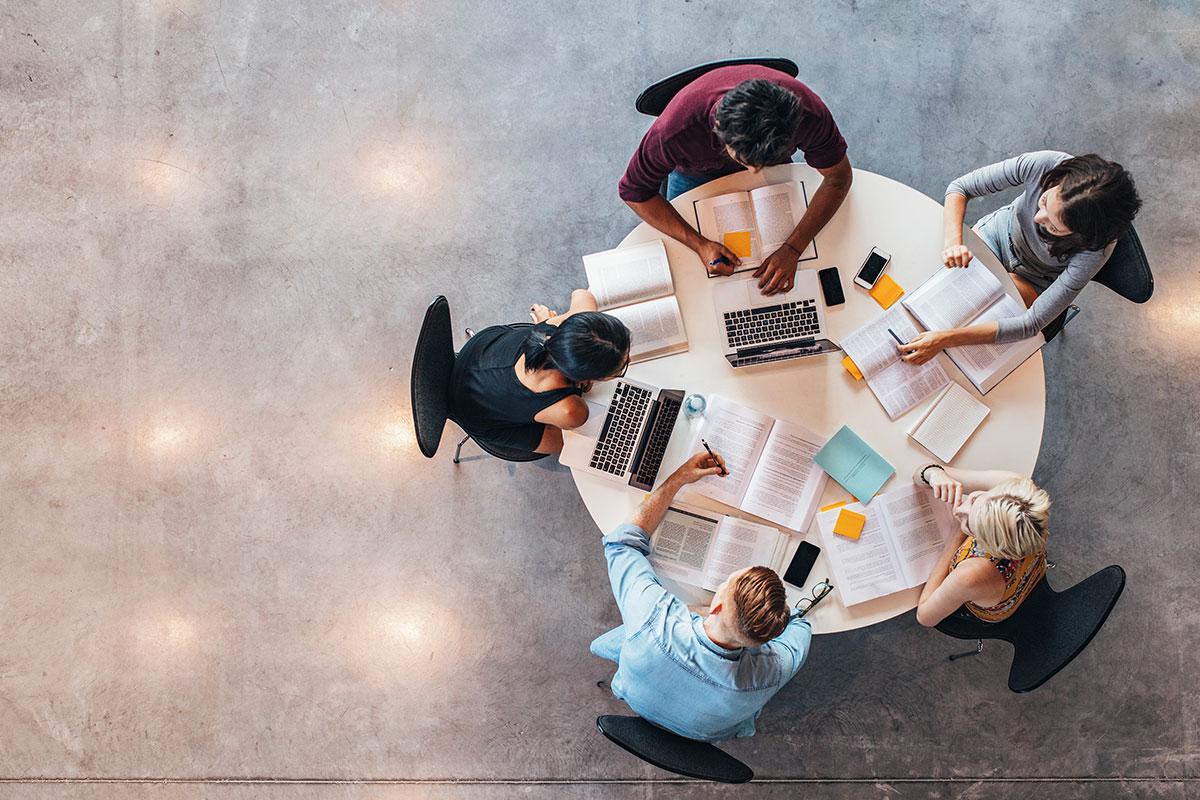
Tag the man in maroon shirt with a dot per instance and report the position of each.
(729, 119)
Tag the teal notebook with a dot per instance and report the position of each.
(851, 462)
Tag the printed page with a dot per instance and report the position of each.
(901, 385)
(948, 424)
(717, 216)
(871, 347)
(918, 525)
(987, 364)
(680, 546)
(778, 209)
(953, 297)
(897, 384)
(655, 328)
(787, 483)
(863, 568)
(738, 544)
(739, 434)
(629, 274)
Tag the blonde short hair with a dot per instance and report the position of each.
(1013, 522)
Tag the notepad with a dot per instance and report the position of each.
(886, 291)
(948, 422)
(849, 524)
(851, 462)
(739, 243)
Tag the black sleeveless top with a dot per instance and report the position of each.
(486, 398)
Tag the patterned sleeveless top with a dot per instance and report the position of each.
(1019, 579)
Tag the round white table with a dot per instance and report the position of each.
(817, 391)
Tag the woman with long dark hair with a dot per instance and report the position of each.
(1052, 239)
(519, 386)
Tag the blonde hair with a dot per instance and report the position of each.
(761, 604)
(1014, 520)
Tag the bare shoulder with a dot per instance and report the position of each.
(570, 412)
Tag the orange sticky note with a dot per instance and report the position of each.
(852, 368)
(886, 291)
(849, 524)
(832, 506)
(739, 243)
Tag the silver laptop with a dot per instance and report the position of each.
(756, 329)
(627, 440)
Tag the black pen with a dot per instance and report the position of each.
(897, 338)
(714, 456)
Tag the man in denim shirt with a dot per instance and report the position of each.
(705, 678)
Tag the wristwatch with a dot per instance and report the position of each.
(926, 468)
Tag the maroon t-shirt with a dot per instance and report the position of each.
(682, 137)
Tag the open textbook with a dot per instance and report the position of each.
(697, 547)
(948, 422)
(904, 534)
(770, 462)
(769, 214)
(634, 285)
(898, 384)
(954, 298)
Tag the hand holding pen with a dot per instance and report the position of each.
(717, 461)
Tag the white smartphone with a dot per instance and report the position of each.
(872, 268)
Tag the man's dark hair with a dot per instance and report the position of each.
(758, 120)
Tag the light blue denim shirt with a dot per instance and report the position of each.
(669, 671)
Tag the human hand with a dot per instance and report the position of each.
(922, 347)
(956, 255)
(540, 313)
(945, 488)
(700, 466)
(778, 273)
(709, 251)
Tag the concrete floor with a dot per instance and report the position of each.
(225, 558)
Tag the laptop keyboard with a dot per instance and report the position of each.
(618, 437)
(656, 443)
(772, 324)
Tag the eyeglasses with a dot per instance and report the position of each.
(624, 369)
(805, 604)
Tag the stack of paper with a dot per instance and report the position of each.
(950, 420)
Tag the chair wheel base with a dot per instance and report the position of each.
(978, 649)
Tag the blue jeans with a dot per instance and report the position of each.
(608, 645)
(994, 229)
(678, 182)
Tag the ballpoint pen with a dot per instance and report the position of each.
(714, 457)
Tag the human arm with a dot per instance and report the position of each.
(662, 216)
(793, 644)
(949, 484)
(634, 584)
(954, 254)
(927, 344)
(778, 271)
(581, 300)
(1054, 300)
(946, 590)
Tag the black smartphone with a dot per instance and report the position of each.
(831, 286)
(802, 564)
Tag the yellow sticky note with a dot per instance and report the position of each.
(832, 506)
(852, 368)
(886, 291)
(738, 242)
(849, 524)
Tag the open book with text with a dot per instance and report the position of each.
(768, 214)
(904, 534)
(770, 462)
(961, 296)
(634, 285)
(897, 384)
(703, 549)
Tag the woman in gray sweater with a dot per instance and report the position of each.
(1052, 239)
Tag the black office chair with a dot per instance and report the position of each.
(1049, 628)
(432, 366)
(672, 752)
(1127, 272)
(655, 97)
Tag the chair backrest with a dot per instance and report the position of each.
(507, 453)
(672, 752)
(1058, 628)
(1049, 629)
(655, 97)
(1127, 271)
(432, 365)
